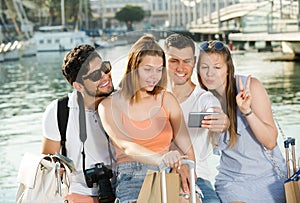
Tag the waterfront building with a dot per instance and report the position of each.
(106, 9)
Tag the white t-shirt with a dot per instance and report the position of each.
(200, 101)
(96, 144)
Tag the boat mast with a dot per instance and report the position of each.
(86, 13)
(78, 24)
(298, 15)
(13, 17)
(63, 21)
(26, 25)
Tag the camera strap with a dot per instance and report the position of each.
(112, 159)
(82, 126)
(83, 134)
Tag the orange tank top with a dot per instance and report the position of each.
(155, 133)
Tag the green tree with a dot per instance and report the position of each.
(130, 14)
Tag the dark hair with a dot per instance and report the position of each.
(179, 41)
(145, 46)
(217, 47)
(78, 60)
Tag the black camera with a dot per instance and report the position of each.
(101, 175)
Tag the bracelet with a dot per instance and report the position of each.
(185, 196)
(249, 113)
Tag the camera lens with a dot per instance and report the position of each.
(105, 191)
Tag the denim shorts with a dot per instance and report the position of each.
(130, 178)
(209, 194)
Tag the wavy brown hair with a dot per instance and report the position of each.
(145, 46)
(217, 47)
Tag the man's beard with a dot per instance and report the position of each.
(99, 93)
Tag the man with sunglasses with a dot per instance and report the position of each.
(90, 76)
(181, 59)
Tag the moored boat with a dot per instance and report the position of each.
(10, 51)
(1, 57)
(28, 48)
(55, 38)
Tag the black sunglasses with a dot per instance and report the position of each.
(97, 74)
(204, 46)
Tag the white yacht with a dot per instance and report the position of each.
(55, 38)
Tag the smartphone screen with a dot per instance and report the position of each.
(195, 118)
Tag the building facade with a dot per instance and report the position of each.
(106, 9)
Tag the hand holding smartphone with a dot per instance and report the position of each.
(195, 118)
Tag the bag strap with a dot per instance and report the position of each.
(62, 121)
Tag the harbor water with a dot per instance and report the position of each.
(29, 84)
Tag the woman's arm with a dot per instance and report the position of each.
(110, 115)
(181, 134)
(261, 120)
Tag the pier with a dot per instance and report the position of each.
(290, 42)
(240, 21)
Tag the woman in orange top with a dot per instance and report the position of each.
(142, 119)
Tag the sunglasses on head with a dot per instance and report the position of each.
(97, 74)
(217, 45)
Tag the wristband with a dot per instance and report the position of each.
(248, 113)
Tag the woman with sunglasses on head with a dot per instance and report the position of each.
(249, 150)
(142, 119)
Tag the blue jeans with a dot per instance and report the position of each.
(210, 195)
(130, 178)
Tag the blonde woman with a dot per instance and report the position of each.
(142, 119)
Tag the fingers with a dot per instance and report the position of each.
(246, 94)
(216, 122)
(62, 170)
(248, 82)
(217, 110)
(185, 177)
(241, 86)
(244, 97)
(173, 159)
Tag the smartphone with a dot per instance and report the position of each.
(195, 118)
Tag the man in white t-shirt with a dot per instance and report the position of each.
(91, 77)
(181, 59)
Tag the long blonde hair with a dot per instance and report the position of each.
(145, 46)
